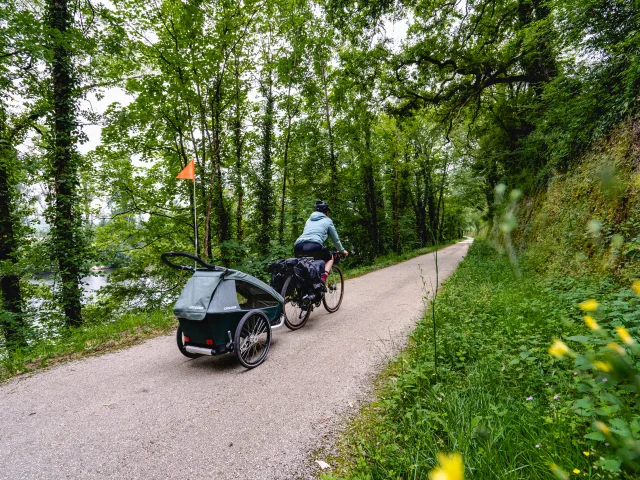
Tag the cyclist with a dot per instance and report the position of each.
(316, 230)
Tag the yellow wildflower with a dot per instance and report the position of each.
(450, 468)
(586, 454)
(558, 349)
(588, 305)
(635, 286)
(602, 427)
(576, 471)
(617, 348)
(624, 335)
(591, 323)
(603, 366)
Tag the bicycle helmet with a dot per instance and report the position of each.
(321, 206)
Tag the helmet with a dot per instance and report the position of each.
(321, 206)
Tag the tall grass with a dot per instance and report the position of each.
(500, 399)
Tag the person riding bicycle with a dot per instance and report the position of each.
(316, 230)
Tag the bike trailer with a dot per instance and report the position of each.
(222, 310)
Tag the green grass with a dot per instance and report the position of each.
(91, 339)
(493, 398)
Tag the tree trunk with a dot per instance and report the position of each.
(431, 202)
(439, 212)
(65, 228)
(371, 205)
(333, 163)
(395, 204)
(421, 204)
(11, 321)
(370, 200)
(237, 137)
(421, 211)
(265, 193)
(284, 182)
(285, 162)
(223, 217)
(217, 190)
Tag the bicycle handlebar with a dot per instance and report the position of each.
(165, 259)
(337, 255)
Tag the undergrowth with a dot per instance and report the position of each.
(501, 399)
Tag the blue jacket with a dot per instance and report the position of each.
(316, 230)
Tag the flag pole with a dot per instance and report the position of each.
(189, 173)
(195, 215)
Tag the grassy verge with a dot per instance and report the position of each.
(95, 338)
(499, 398)
(90, 339)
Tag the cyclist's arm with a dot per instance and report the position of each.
(333, 234)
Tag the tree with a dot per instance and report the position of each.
(66, 231)
(18, 76)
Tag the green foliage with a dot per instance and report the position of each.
(598, 234)
(607, 374)
(500, 399)
(282, 104)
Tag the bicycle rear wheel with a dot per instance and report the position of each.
(295, 316)
(335, 290)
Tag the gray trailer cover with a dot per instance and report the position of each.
(196, 296)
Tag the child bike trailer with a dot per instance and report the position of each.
(222, 310)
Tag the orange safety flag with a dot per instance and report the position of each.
(188, 172)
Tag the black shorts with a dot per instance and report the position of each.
(312, 249)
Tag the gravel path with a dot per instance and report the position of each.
(148, 412)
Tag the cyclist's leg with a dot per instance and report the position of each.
(328, 262)
(327, 269)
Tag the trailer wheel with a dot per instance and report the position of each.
(252, 339)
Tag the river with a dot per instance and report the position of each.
(90, 283)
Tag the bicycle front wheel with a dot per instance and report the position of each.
(295, 314)
(335, 290)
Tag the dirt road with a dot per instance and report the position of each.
(149, 413)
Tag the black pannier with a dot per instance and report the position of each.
(307, 274)
(280, 271)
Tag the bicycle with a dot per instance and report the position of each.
(297, 305)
